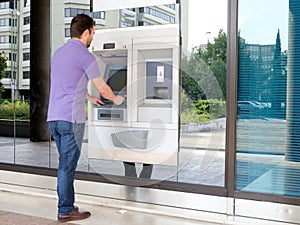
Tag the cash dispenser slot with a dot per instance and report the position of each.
(131, 139)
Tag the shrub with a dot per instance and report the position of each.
(21, 109)
(192, 116)
(214, 107)
(203, 111)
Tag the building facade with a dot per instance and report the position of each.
(242, 165)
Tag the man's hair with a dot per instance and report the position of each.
(80, 23)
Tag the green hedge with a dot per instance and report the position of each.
(215, 107)
(21, 108)
(203, 111)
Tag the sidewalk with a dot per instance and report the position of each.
(8, 218)
(21, 205)
(27, 206)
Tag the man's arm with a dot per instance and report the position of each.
(106, 91)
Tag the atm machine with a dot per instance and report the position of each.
(141, 64)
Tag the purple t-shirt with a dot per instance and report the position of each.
(71, 68)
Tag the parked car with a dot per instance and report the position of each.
(259, 104)
(266, 104)
(249, 105)
(249, 110)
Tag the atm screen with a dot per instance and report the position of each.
(116, 77)
(117, 80)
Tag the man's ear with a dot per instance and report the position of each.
(86, 32)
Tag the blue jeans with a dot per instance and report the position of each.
(68, 138)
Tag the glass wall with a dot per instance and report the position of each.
(8, 60)
(201, 152)
(16, 147)
(203, 93)
(200, 112)
(268, 98)
(267, 132)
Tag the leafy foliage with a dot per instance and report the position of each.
(203, 111)
(204, 71)
(193, 117)
(204, 82)
(214, 107)
(3, 66)
(21, 108)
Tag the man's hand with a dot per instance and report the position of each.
(118, 100)
(94, 100)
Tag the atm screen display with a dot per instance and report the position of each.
(117, 79)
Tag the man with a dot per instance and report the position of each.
(71, 68)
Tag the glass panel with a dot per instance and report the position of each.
(141, 61)
(132, 17)
(203, 106)
(16, 146)
(268, 98)
(14, 107)
(201, 156)
(28, 152)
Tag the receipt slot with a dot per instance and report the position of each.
(141, 64)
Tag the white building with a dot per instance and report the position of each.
(15, 32)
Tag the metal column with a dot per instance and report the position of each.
(293, 82)
(39, 69)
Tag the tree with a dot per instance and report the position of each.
(204, 72)
(189, 83)
(3, 66)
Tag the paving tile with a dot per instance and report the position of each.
(9, 218)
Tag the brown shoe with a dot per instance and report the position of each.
(74, 215)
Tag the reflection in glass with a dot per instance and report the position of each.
(202, 151)
(14, 104)
(203, 106)
(142, 16)
(268, 98)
